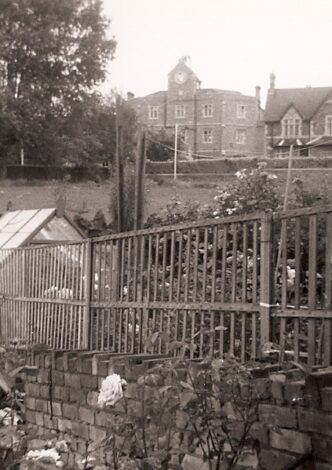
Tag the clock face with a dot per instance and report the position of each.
(180, 77)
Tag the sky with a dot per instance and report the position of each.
(233, 44)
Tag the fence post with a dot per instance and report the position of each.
(87, 294)
(266, 278)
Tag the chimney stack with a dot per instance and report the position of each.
(258, 93)
(272, 83)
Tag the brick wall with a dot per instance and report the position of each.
(294, 414)
(62, 393)
(297, 420)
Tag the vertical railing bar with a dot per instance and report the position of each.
(312, 288)
(328, 290)
(87, 294)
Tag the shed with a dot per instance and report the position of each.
(37, 226)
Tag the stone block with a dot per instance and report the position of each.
(39, 418)
(277, 387)
(327, 398)
(56, 408)
(322, 448)
(41, 405)
(59, 363)
(191, 462)
(103, 418)
(30, 402)
(262, 388)
(89, 381)
(80, 430)
(32, 390)
(277, 416)
(133, 370)
(61, 393)
(97, 434)
(64, 425)
(78, 396)
(70, 411)
(315, 421)
(274, 460)
(43, 376)
(294, 392)
(86, 414)
(102, 369)
(92, 398)
(292, 441)
(259, 432)
(35, 444)
(50, 422)
(44, 391)
(82, 447)
(87, 366)
(58, 378)
(72, 380)
(30, 416)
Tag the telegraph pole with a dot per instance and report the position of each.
(119, 167)
(176, 149)
(140, 181)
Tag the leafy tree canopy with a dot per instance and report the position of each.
(52, 55)
(161, 143)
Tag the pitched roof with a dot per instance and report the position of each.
(183, 66)
(218, 90)
(305, 100)
(17, 228)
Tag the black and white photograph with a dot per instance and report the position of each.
(165, 235)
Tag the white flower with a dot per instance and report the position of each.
(9, 416)
(45, 453)
(111, 390)
(241, 174)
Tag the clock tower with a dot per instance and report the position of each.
(181, 80)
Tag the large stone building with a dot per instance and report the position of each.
(301, 117)
(212, 123)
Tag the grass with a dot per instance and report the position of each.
(89, 197)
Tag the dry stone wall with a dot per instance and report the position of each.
(294, 415)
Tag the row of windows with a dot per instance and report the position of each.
(240, 136)
(293, 127)
(207, 111)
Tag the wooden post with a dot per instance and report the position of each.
(328, 292)
(119, 168)
(266, 278)
(140, 182)
(87, 294)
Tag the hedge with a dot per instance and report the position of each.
(75, 174)
(232, 165)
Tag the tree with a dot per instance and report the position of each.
(161, 145)
(52, 56)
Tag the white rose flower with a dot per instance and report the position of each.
(111, 390)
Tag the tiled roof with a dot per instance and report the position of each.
(157, 94)
(217, 90)
(305, 100)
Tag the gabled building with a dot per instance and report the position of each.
(301, 117)
(212, 123)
